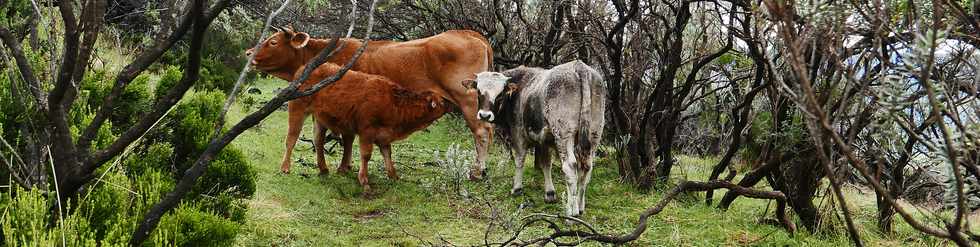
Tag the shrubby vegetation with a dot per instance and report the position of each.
(803, 95)
(111, 208)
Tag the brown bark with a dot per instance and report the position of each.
(641, 226)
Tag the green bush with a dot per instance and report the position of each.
(189, 225)
(192, 124)
(229, 177)
(128, 107)
(215, 75)
(26, 222)
(157, 157)
(171, 75)
(110, 212)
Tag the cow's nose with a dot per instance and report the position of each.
(485, 115)
(248, 52)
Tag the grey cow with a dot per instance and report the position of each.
(561, 108)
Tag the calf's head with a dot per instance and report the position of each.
(281, 52)
(494, 90)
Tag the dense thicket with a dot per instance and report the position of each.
(806, 95)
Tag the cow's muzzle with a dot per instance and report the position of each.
(485, 115)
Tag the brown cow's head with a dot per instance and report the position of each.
(436, 101)
(281, 51)
(493, 91)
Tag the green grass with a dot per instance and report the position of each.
(305, 209)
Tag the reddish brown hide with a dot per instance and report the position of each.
(437, 63)
(369, 106)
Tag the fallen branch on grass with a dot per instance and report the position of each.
(590, 234)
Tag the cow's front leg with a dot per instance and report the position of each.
(542, 159)
(482, 132)
(295, 126)
(519, 154)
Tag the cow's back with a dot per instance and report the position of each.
(435, 63)
(553, 99)
(336, 105)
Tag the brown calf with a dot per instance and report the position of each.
(369, 106)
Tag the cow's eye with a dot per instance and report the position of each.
(273, 42)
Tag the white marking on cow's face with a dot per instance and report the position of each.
(491, 84)
(485, 115)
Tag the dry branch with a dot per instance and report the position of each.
(685, 186)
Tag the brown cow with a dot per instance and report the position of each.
(369, 106)
(438, 63)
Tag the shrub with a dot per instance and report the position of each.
(190, 225)
(171, 75)
(215, 75)
(157, 157)
(108, 214)
(128, 107)
(229, 174)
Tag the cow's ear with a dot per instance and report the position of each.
(299, 40)
(512, 87)
(469, 84)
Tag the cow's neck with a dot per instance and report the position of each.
(414, 110)
(347, 48)
(506, 113)
(285, 74)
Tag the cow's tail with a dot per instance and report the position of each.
(583, 142)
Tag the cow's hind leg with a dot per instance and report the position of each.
(294, 127)
(585, 174)
(348, 143)
(519, 154)
(318, 141)
(542, 159)
(362, 176)
(569, 167)
(389, 163)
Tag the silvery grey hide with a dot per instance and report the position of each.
(560, 109)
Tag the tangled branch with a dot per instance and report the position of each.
(591, 234)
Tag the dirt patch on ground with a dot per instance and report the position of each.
(271, 207)
(368, 215)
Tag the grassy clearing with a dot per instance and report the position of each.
(304, 209)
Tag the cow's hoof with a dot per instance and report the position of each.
(284, 171)
(550, 197)
(517, 192)
(478, 175)
(343, 169)
(393, 176)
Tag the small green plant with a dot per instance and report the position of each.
(171, 75)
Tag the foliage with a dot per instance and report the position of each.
(108, 214)
(230, 177)
(170, 77)
(215, 75)
(134, 100)
(14, 12)
(190, 225)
